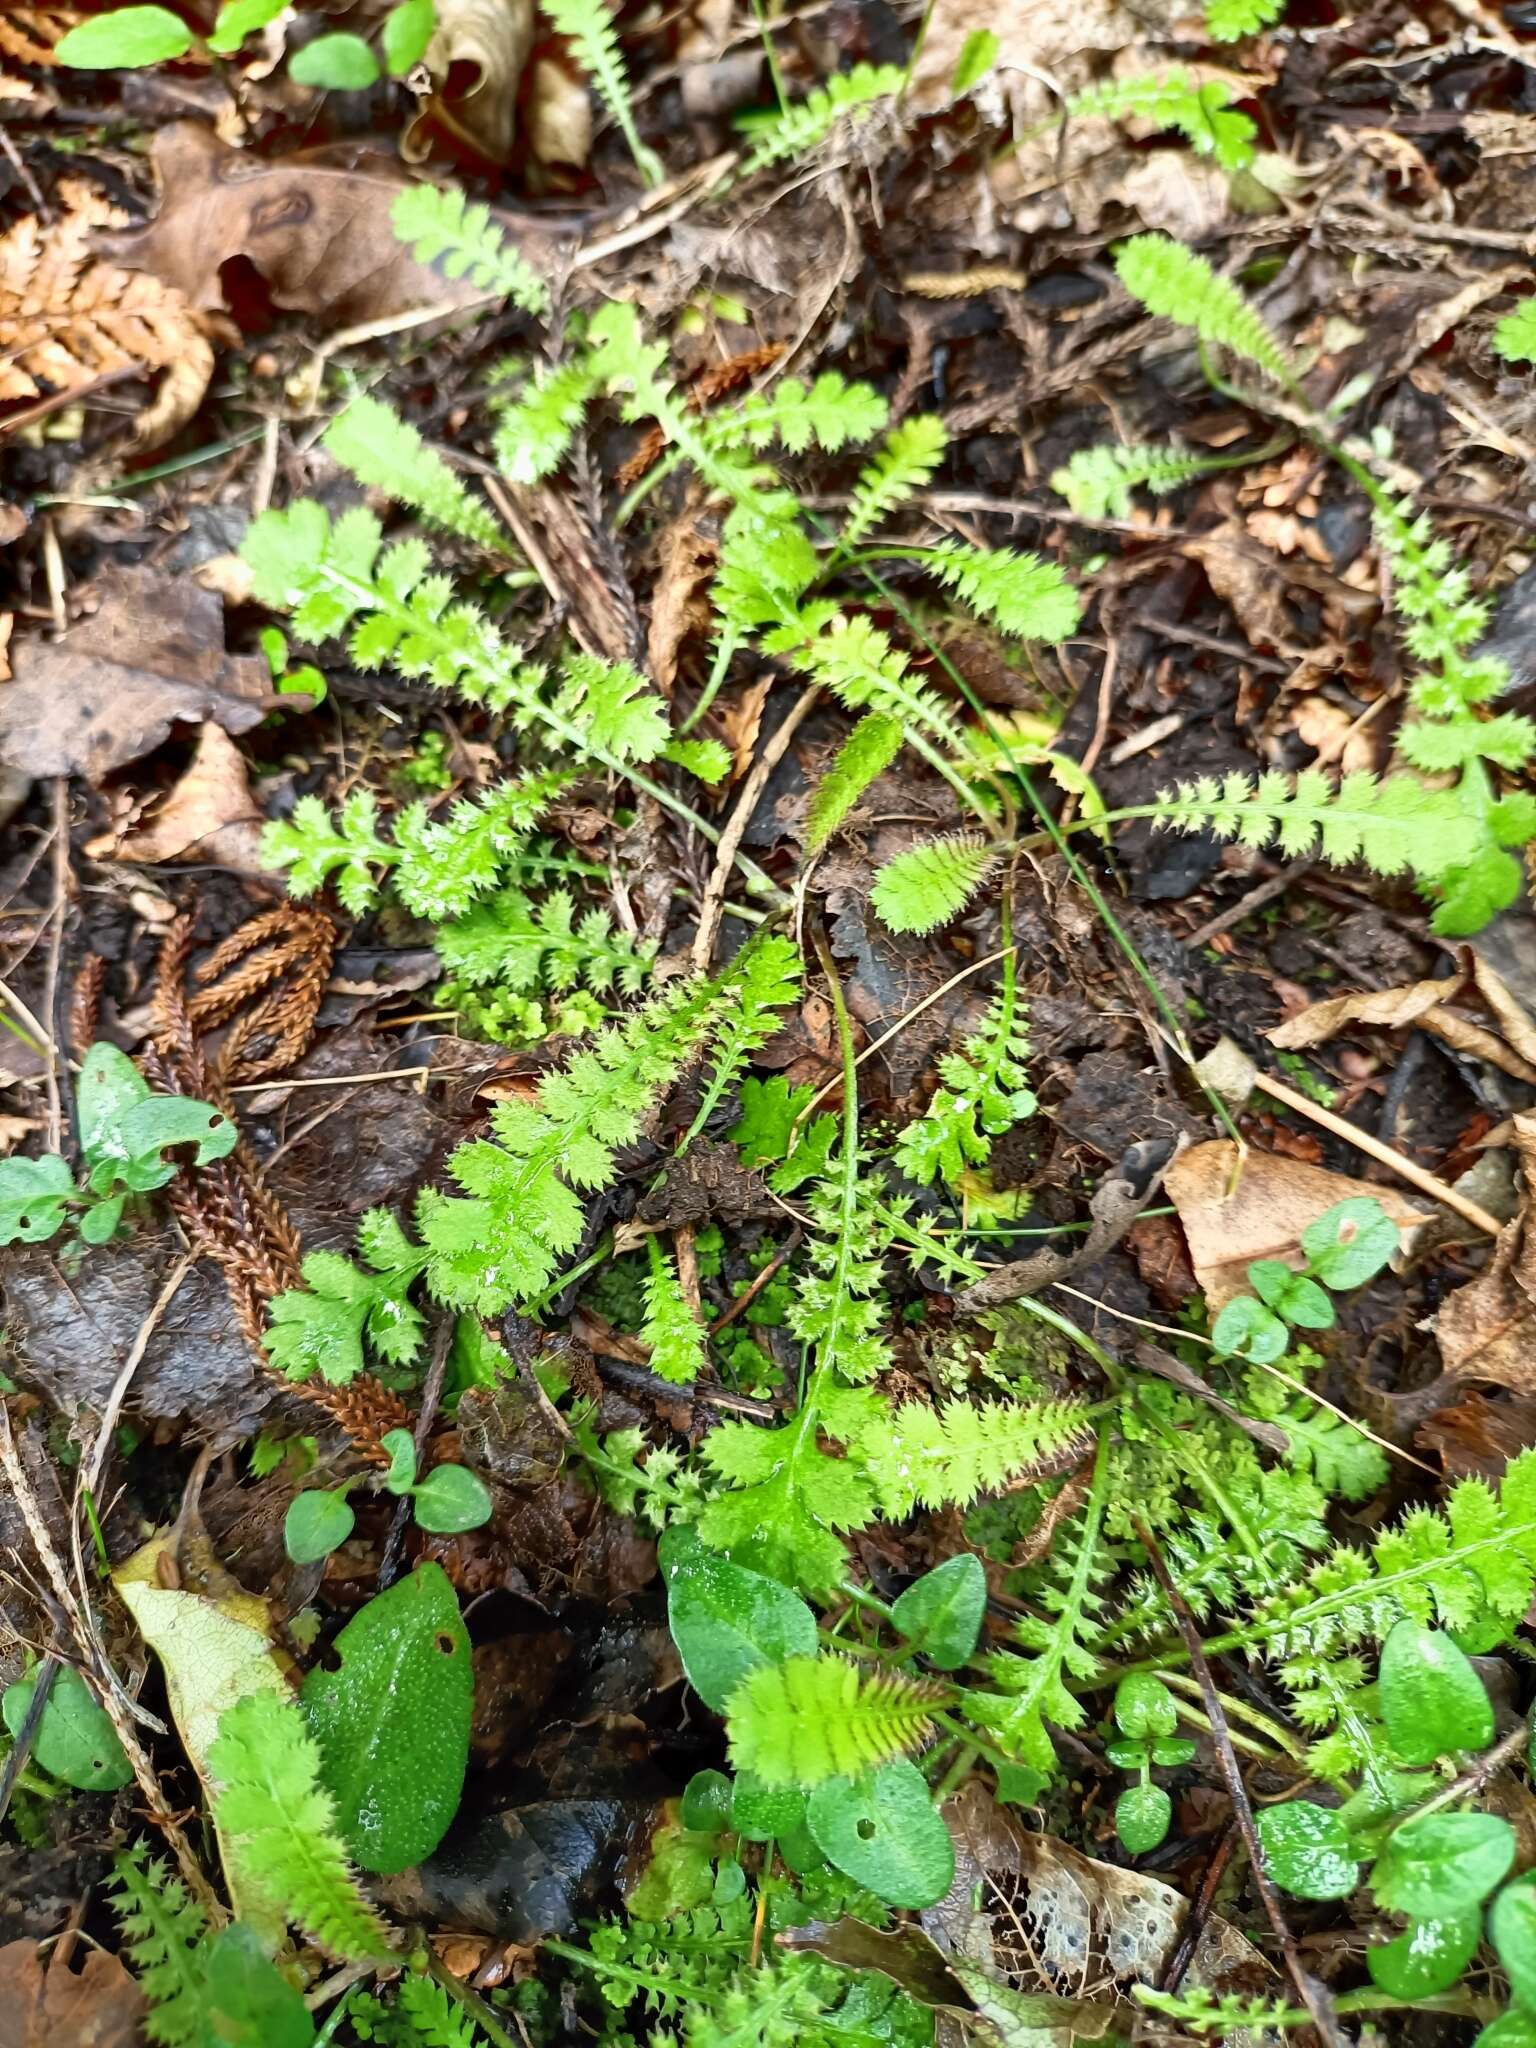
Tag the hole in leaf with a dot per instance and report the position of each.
(446, 1643)
(866, 1830)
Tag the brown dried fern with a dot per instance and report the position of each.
(67, 319)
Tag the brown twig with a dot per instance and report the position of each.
(1308, 1990)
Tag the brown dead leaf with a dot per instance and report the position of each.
(1477, 1438)
(559, 115)
(67, 318)
(98, 2007)
(210, 815)
(315, 225)
(1231, 1218)
(688, 555)
(1425, 1005)
(1249, 578)
(1334, 734)
(476, 58)
(1487, 1330)
(110, 690)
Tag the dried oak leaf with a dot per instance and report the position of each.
(1487, 1330)
(315, 225)
(67, 318)
(110, 690)
(476, 58)
(1235, 1210)
(101, 2007)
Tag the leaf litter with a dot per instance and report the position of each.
(846, 839)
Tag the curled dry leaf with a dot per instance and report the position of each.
(1237, 1208)
(1424, 1004)
(67, 318)
(559, 115)
(1041, 37)
(100, 2006)
(476, 58)
(1487, 1330)
(678, 606)
(109, 691)
(209, 816)
(315, 225)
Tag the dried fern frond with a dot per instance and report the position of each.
(28, 35)
(67, 318)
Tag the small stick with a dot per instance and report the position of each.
(774, 750)
(1310, 1992)
(26, 1734)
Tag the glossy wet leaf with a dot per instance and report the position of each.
(1306, 1849)
(317, 1522)
(1143, 1816)
(1144, 1706)
(1292, 1296)
(400, 1448)
(941, 1614)
(392, 1720)
(1512, 1930)
(451, 1499)
(1428, 1956)
(109, 1086)
(765, 1813)
(34, 1194)
(75, 1739)
(1432, 1700)
(407, 32)
(727, 1621)
(885, 1832)
(706, 1803)
(250, 2003)
(1443, 1863)
(1245, 1328)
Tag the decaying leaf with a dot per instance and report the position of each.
(1033, 1912)
(67, 318)
(315, 225)
(98, 2006)
(678, 608)
(1036, 39)
(109, 691)
(210, 815)
(1487, 1330)
(1236, 1208)
(1424, 1004)
(476, 58)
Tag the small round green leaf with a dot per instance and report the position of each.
(1513, 2029)
(706, 1803)
(451, 1499)
(1306, 1849)
(727, 1621)
(100, 1220)
(1443, 1864)
(885, 1833)
(1245, 1328)
(1428, 1956)
(399, 1446)
(1432, 1700)
(317, 1522)
(407, 31)
(1143, 1815)
(1144, 1706)
(941, 1614)
(1171, 1750)
(340, 63)
(1291, 1295)
(1512, 1929)
(236, 20)
(75, 1739)
(765, 1813)
(1350, 1243)
(124, 40)
(392, 1720)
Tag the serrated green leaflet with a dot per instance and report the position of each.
(392, 1721)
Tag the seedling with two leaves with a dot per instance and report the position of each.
(447, 1501)
(126, 1131)
(1346, 1246)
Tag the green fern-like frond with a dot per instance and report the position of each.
(435, 2021)
(438, 223)
(830, 414)
(983, 1092)
(1203, 114)
(1433, 592)
(859, 665)
(1514, 338)
(614, 706)
(949, 1455)
(865, 754)
(1027, 596)
(316, 852)
(1228, 21)
(163, 1929)
(535, 431)
(670, 1326)
(760, 984)
(788, 1502)
(522, 945)
(928, 885)
(839, 1310)
(813, 1718)
(372, 441)
(1097, 482)
(279, 1826)
(912, 452)
(521, 1208)
(1181, 286)
(588, 24)
(326, 1326)
(791, 131)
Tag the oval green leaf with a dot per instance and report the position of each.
(33, 1195)
(340, 63)
(886, 1834)
(392, 1721)
(1512, 1929)
(451, 1499)
(727, 1621)
(1351, 1242)
(1428, 1956)
(317, 1522)
(1306, 1850)
(407, 31)
(1143, 1816)
(706, 1803)
(75, 1739)
(941, 1614)
(248, 1998)
(1443, 1864)
(1432, 1700)
(1512, 2029)
(765, 1813)
(1144, 1706)
(124, 40)
(236, 20)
